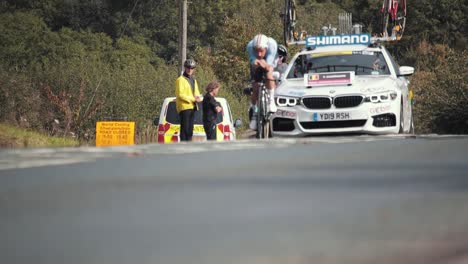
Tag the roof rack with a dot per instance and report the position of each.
(345, 27)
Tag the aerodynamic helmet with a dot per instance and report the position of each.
(260, 41)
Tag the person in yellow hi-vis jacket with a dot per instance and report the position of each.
(187, 97)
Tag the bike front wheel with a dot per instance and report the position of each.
(266, 129)
(263, 128)
(263, 123)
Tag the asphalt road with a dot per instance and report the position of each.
(319, 200)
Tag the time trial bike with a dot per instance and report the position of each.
(263, 115)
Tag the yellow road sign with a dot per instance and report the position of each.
(115, 133)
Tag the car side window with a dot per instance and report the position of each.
(219, 116)
(299, 68)
(394, 64)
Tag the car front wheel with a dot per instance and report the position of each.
(402, 120)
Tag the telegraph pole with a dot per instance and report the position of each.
(182, 33)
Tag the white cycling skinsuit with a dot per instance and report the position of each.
(262, 42)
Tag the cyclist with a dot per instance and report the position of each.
(263, 54)
(281, 64)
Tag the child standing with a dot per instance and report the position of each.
(211, 109)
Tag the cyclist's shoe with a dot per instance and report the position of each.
(272, 107)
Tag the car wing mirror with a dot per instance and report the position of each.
(406, 71)
(237, 123)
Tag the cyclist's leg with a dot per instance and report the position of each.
(256, 77)
(254, 97)
(253, 108)
(271, 86)
(270, 80)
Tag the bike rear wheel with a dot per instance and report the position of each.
(263, 123)
(289, 21)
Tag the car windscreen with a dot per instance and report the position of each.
(361, 62)
(173, 117)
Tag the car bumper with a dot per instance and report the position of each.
(367, 118)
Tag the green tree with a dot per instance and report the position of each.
(71, 76)
(438, 21)
(21, 32)
(441, 90)
(20, 50)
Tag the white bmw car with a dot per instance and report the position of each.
(343, 84)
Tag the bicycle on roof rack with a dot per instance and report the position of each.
(392, 25)
(289, 22)
(393, 19)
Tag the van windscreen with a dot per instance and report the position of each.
(173, 117)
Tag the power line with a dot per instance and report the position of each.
(128, 19)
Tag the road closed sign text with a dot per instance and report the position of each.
(115, 133)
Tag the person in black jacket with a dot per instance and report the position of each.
(211, 108)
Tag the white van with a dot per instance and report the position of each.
(168, 123)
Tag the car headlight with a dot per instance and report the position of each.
(381, 97)
(286, 101)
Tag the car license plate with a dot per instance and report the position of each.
(331, 116)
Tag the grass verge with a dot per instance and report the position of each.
(14, 137)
